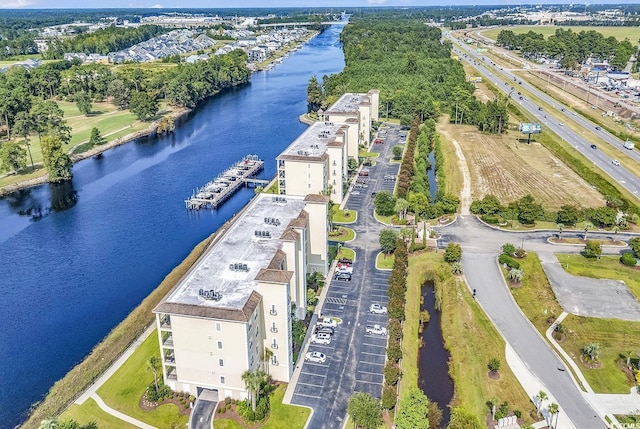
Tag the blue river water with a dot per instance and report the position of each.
(76, 259)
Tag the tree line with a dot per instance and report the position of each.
(569, 47)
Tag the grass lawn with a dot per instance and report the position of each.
(617, 338)
(345, 216)
(608, 267)
(363, 153)
(619, 33)
(384, 262)
(347, 235)
(91, 412)
(469, 335)
(125, 388)
(388, 220)
(452, 172)
(282, 416)
(346, 253)
(535, 296)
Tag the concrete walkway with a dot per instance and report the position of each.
(92, 393)
(588, 297)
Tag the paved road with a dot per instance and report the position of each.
(481, 246)
(509, 85)
(355, 360)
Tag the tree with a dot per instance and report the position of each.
(435, 415)
(540, 398)
(587, 226)
(591, 351)
(49, 424)
(55, 159)
(453, 253)
(83, 102)
(456, 267)
(508, 249)
(568, 215)
(385, 203)
(494, 365)
(413, 410)
(528, 210)
(152, 365)
(253, 381)
(12, 157)
(401, 208)
(314, 95)
(634, 244)
(397, 152)
(96, 138)
(515, 275)
(593, 249)
(553, 410)
(47, 116)
(143, 106)
(23, 126)
(365, 410)
(268, 354)
(387, 240)
(120, 94)
(462, 419)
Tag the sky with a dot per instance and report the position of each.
(18, 4)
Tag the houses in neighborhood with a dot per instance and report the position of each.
(176, 42)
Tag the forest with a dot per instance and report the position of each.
(569, 47)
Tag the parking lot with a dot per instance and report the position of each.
(355, 359)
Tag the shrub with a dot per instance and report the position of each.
(389, 397)
(502, 411)
(391, 374)
(592, 249)
(395, 330)
(394, 351)
(490, 219)
(520, 253)
(508, 249)
(628, 259)
(634, 244)
(517, 413)
(453, 253)
(509, 261)
(494, 365)
(262, 408)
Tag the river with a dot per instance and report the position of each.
(76, 260)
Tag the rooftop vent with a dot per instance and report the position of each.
(239, 267)
(211, 294)
(279, 200)
(262, 234)
(272, 221)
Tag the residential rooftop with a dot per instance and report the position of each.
(312, 143)
(349, 103)
(230, 267)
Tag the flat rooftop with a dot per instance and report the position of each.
(348, 103)
(231, 265)
(313, 141)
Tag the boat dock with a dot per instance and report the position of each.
(226, 184)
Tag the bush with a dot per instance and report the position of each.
(262, 408)
(509, 261)
(628, 259)
(508, 249)
(520, 253)
(502, 411)
(517, 413)
(634, 244)
(494, 365)
(391, 374)
(394, 351)
(453, 253)
(490, 219)
(389, 397)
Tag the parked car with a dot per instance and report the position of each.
(316, 357)
(321, 338)
(376, 330)
(324, 330)
(327, 321)
(377, 309)
(363, 173)
(343, 277)
(378, 141)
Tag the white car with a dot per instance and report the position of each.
(615, 162)
(327, 321)
(321, 338)
(376, 330)
(316, 357)
(377, 309)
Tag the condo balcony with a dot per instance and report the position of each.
(274, 329)
(167, 341)
(165, 322)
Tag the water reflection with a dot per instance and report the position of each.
(63, 196)
(32, 204)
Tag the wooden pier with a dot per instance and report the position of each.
(216, 192)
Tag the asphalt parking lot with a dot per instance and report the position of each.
(355, 359)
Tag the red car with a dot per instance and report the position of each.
(378, 141)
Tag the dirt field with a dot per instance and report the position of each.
(619, 33)
(509, 169)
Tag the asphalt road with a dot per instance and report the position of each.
(355, 359)
(510, 86)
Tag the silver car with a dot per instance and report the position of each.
(316, 357)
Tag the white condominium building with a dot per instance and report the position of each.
(315, 162)
(236, 301)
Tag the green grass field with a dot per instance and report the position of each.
(347, 235)
(384, 262)
(91, 412)
(619, 33)
(345, 216)
(345, 252)
(125, 388)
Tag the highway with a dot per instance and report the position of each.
(510, 86)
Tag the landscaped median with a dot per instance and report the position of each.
(617, 340)
(384, 261)
(345, 216)
(342, 234)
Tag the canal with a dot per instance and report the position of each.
(77, 259)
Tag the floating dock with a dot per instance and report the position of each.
(216, 192)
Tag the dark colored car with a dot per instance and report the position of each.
(594, 146)
(598, 128)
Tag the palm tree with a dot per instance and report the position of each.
(456, 268)
(553, 410)
(515, 275)
(48, 424)
(152, 365)
(560, 228)
(615, 230)
(591, 351)
(541, 397)
(253, 381)
(587, 226)
(268, 353)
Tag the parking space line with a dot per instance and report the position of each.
(309, 384)
(312, 374)
(370, 363)
(375, 345)
(316, 364)
(372, 354)
(369, 382)
(367, 372)
(307, 396)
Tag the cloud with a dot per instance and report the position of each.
(15, 4)
(157, 6)
(376, 1)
